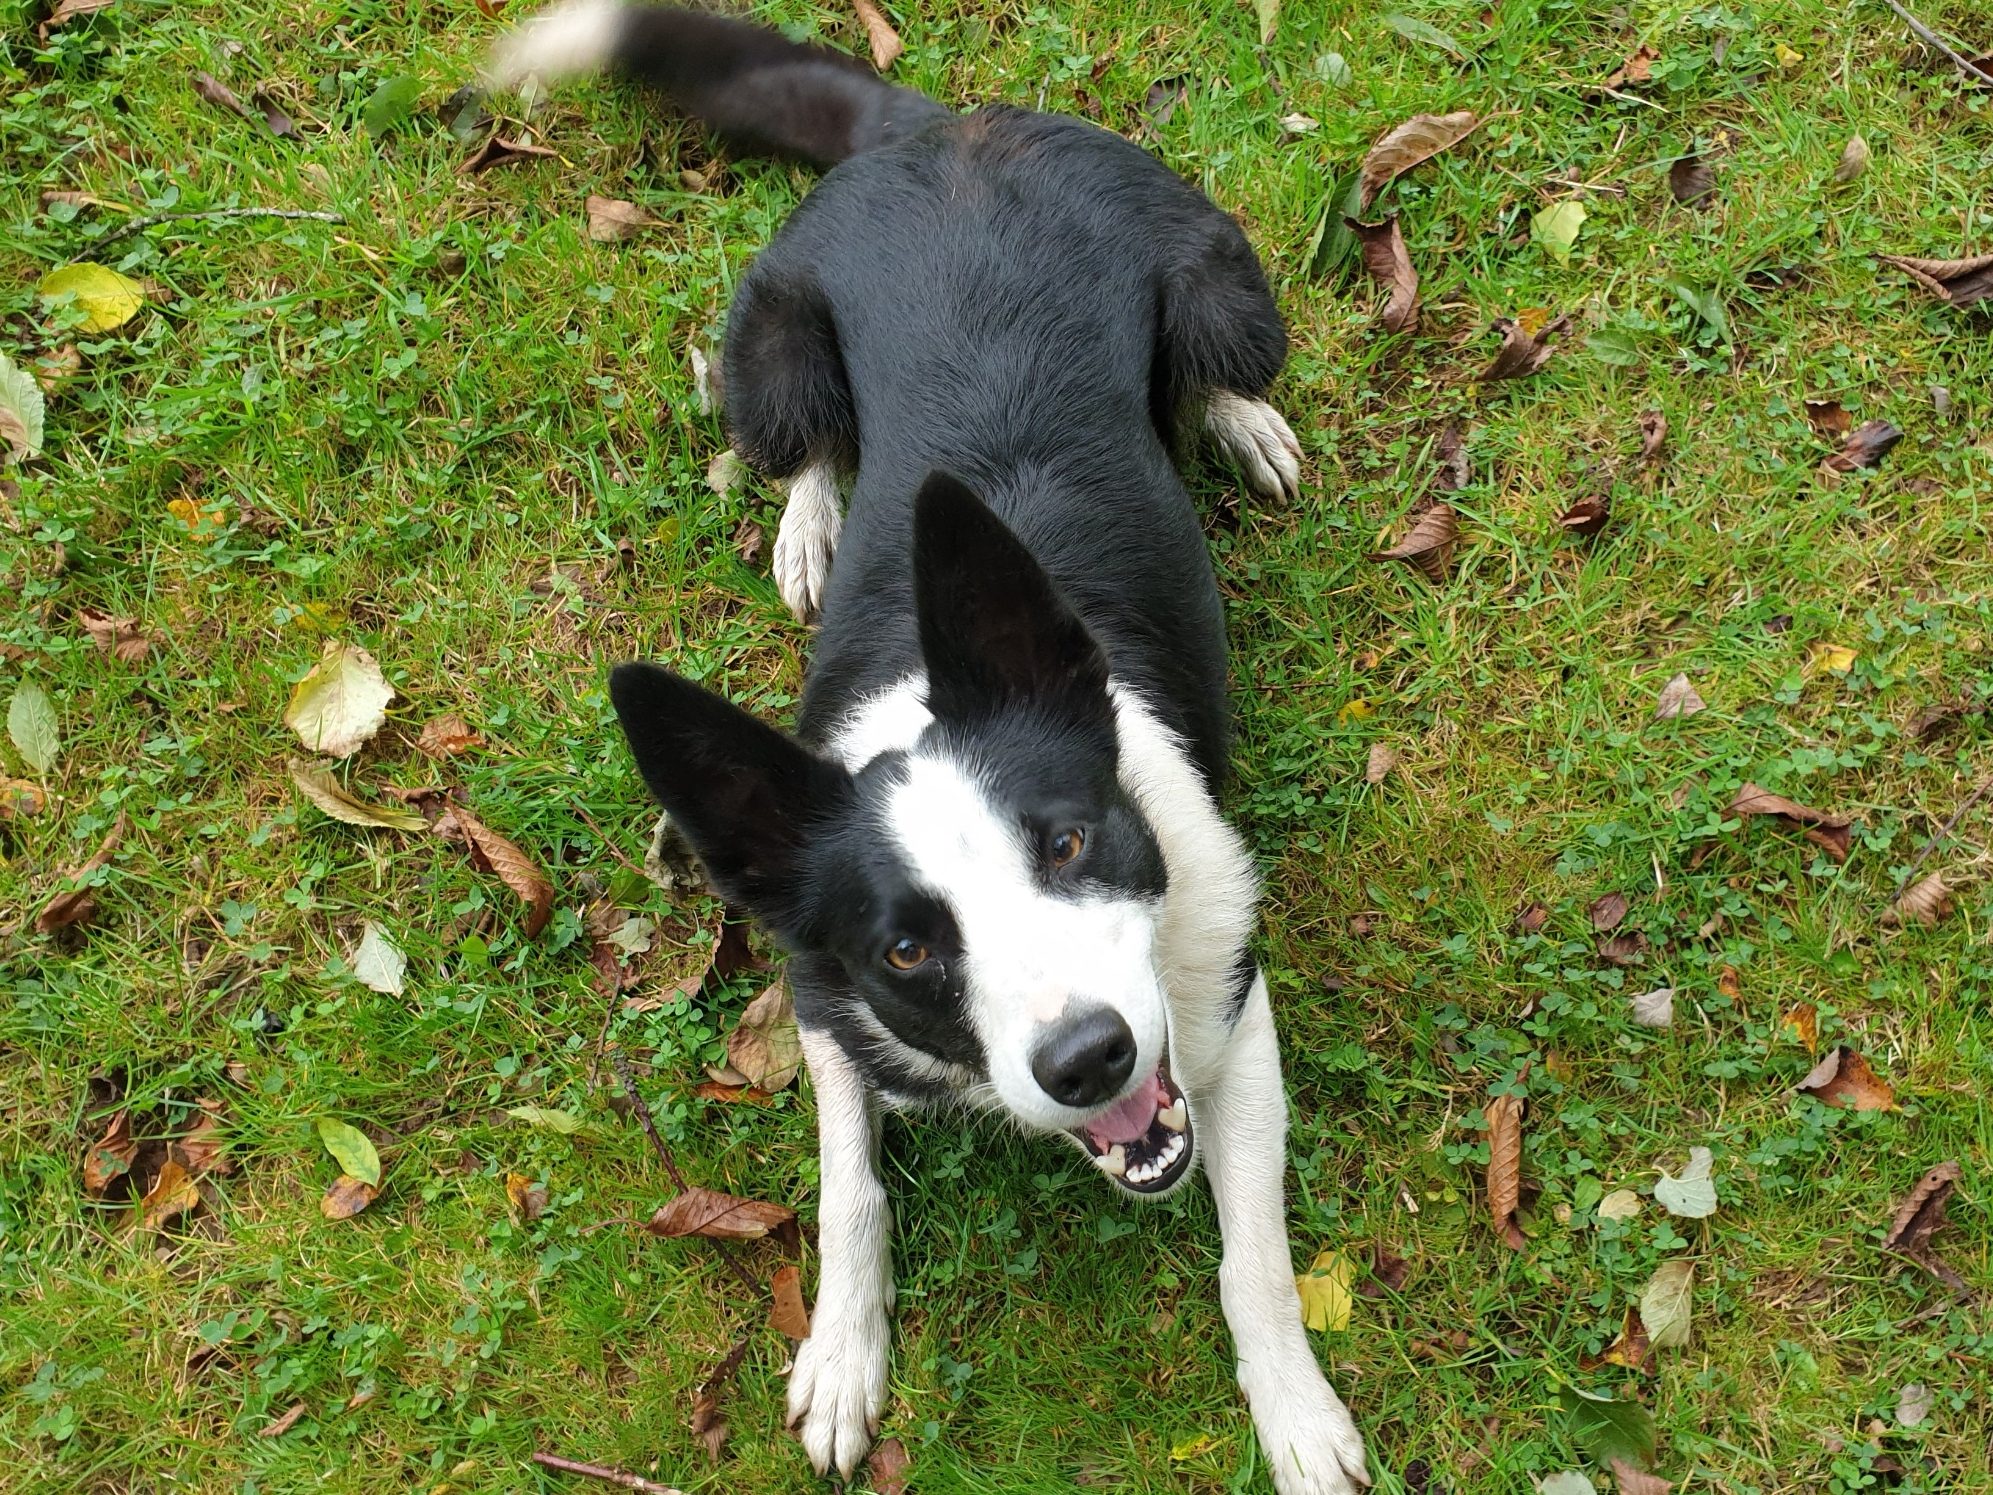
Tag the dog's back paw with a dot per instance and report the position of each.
(1256, 438)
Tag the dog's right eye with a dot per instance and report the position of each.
(907, 955)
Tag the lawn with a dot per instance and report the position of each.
(452, 429)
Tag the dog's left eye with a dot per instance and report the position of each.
(1067, 845)
(907, 955)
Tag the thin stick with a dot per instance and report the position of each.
(1949, 826)
(138, 224)
(1971, 69)
(603, 836)
(607, 1475)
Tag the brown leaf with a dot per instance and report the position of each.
(1455, 471)
(1523, 353)
(1398, 150)
(1828, 417)
(118, 637)
(709, 1424)
(1844, 1078)
(731, 1094)
(199, 1149)
(1608, 911)
(1631, 1479)
(749, 543)
(1383, 758)
(1922, 1215)
(1532, 917)
(527, 1199)
(1729, 983)
(1504, 1115)
(1927, 903)
(57, 367)
(283, 1424)
(731, 954)
(719, 1217)
(886, 43)
(281, 124)
(78, 905)
(347, 1197)
(1428, 546)
(1692, 180)
(1678, 699)
(1588, 516)
(1623, 949)
(19, 798)
(1932, 720)
(765, 1046)
(172, 1195)
(109, 1158)
(888, 1467)
(1865, 446)
(1961, 282)
(498, 151)
(611, 220)
(1803, 1023)
(491, 852)
(67, 11)
(1388, 1272)
(786, 1311)
(490, 8)
(1384, 256)
(1833, 834)
(1653, 434)
(1636, 70)
(53, 195)
(446, 736)
(1630, 1350)
(217, 92)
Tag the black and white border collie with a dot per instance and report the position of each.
(993, 846)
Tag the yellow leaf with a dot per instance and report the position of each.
(194, 516)
(1787, 58)
(1353, 711)
(1190, 1448)
(106, 298)
(1836, 657)
(1324, 1289)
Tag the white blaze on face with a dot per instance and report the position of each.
(1028, 955)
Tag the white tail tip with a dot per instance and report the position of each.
(566, 42)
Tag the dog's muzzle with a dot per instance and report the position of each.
(1143, 1141)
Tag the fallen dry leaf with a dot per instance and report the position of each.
(172, 1195)
(786, 1312)
(1532, 917)
(721, 1217)
(109, 1158)
(1833, 834)
(1927, 903)
(888, 1467)
(1631, 1479)
(1656, 1008)
(1922, 1215)
(527, 1199)
(1388, 1272)
(68, 10)
(323, 790)
(1630, 1350)
(1803, 1023)
(1653, 434)
(1383, 249)
(1853, 162)
(1504, 1115)
(749, 543)
(491, 852)
(347, 1197)
(1692, 181)
(281, 124)
(498, 151)
(885, 42)
(1636, 70)
(1844, 1078)
(719, 1090)
(1607, 912)
(1828, 417)
(219, 93)
(1428, 547)
(1398, 150)
(20, 798)
(1933, 720)
(341, 702)
(1913, 1404)
(78, 905)
(611, 220)
(283, 1424)
(725, 472)
(1623, 949)
(118, 637)
(764, 1046)
(447, 736)
(709, 1424)
(1455, 470)
(1865, 446)
(1588, 516)
(1523, 352)
(1960, 282)
(1383, 758)
(1678, 699)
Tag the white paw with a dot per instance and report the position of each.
(1306, 1435)
(1253, 435)
(806, 541)
(838, 1388)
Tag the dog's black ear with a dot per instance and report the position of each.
(746, 795)
(994, 629)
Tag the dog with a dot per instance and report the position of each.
(992, 848)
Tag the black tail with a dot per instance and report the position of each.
(755, 89)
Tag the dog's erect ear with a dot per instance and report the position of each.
(994, 630)
(745, 795)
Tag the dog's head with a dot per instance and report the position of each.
(985, 902)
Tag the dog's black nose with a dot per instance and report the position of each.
(1086, 1058)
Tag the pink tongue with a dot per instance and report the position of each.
(1132, 1118)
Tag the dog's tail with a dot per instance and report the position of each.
(756, 89)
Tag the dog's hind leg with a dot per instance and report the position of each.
(1304, 1430)
(838, 1386)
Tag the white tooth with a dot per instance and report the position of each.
(1115, 1162)
(1172, 1116)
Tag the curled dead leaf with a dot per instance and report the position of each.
(109, 1158)
(120, 638)
(1504, 1115)
(220, 94)
(491, 852)
(1636, 70)
(1827, 417)
(1388, 1272)
(527, 1199)
(446, 736)
(173, 1195)
(19, 798)
(1629, 1350)
(326, 792)
(888, 1467)
(1631, 1479)
(1963, 282)
(347, 1197)
(611, 219)
(1428, 546)
(765, 1046)
(498, 151)
(1803, 1023)
(786, 1312)
(1865, 446)
(1607, 912)
(1927, 902)
(1532, 917)
(1692, 181)
(1922, 1215)
(721, 1217)
(1833, 834)
(879, 34)
(1588, 516)
(1678, 699)
(341, 702)
(1384, 256)
(1399, 149)
(1844, 1078)
(1523, 352)
(78, 904)
(1653, 434)
(283, 1424)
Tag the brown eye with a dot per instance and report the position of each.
(907, 955)
(1067, 845)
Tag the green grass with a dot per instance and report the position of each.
(403, 423)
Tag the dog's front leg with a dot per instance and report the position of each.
(1304, 1429)
(839, 1384)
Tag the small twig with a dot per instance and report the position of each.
(603, 836)
(1944, 832)
(1971, 69)
(607, 1475)
(138, 224)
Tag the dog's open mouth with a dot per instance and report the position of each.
(1143, 1141)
